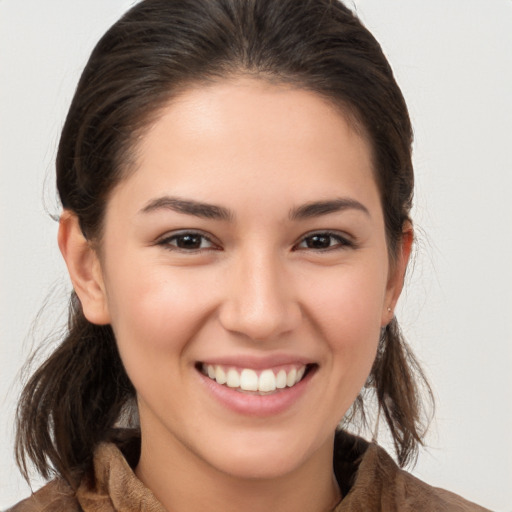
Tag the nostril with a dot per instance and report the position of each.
(260, 322)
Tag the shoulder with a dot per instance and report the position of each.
(56, 496)
(108, 485)
(378, 484)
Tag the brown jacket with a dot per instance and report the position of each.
(370, 482)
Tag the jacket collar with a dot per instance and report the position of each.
(369, 480)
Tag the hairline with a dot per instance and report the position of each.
(130, 149)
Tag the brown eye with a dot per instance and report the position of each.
(187, 241)
(323, 241)
(318, 241)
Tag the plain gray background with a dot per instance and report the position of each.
(453, 60)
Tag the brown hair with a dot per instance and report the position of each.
(159, 47)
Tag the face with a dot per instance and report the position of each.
(245, 272)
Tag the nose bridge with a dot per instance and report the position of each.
(260, 301)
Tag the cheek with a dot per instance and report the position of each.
(153, 322)
(349, 300)
(347, 311)
(155, 314)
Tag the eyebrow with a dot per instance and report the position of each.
(211, 211)
(189, 207)
(318, 208)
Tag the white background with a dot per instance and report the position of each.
(453, 59)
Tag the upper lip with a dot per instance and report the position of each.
(257, 362)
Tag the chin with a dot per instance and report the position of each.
(261, 457)
(261, 466)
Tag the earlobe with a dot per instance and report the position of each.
(84, 269)
(397, 274)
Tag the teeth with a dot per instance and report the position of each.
(267, 381)
(281, 379)
(290, 379)
(233, 379)
(248, 379)
(220, 375)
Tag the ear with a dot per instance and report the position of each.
(84, 269)
(397, 274)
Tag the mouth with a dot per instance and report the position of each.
(257, 382)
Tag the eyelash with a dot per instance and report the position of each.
(341, 242)
(166, 242)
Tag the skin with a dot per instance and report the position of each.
(256, 288)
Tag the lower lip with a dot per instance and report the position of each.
(257, 405)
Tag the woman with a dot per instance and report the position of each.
(236, 181)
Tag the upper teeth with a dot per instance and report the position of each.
(248, 380)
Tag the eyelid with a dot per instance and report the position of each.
(165, 240)
(345, 240)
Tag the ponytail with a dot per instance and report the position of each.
(402, 392)
(72, 401)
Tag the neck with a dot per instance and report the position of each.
(193, 485)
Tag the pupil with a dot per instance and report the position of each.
(189, 242)
(318, 242)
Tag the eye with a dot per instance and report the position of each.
(187, 241)
(322, 241)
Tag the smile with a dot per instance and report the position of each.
(261, 382)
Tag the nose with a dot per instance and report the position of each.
(259, 301)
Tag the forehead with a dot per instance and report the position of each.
(233, 137)
(241, 104)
